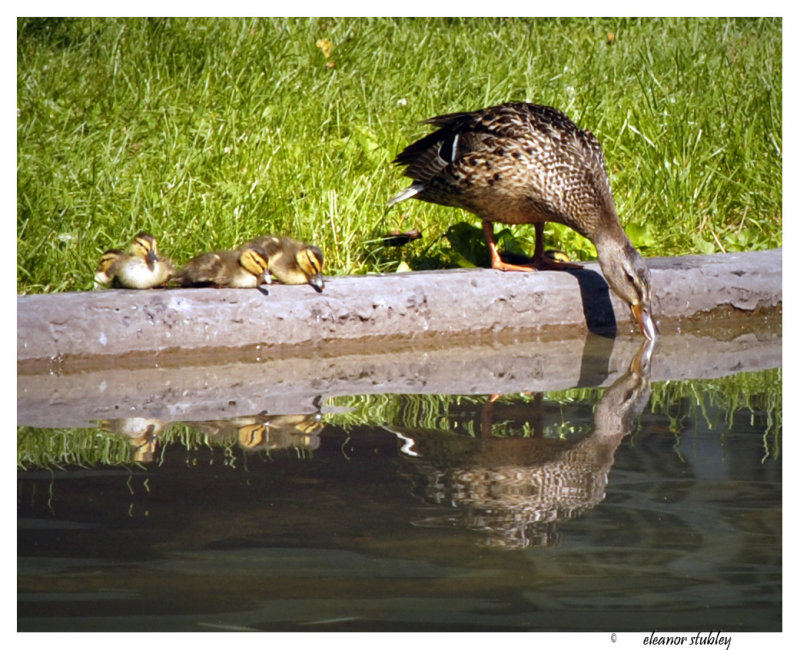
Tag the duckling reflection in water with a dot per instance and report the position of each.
(231, 429)
(241, 269)
(263, 432)
(292, 261)
(140, 268)
(284, 432)
(142, 432)
(519, 489)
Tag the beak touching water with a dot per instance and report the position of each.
(646, 322)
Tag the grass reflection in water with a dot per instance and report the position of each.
(121, 442)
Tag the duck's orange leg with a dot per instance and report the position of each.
(539, 262)
(497, 263)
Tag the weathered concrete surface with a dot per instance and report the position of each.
(100, 327)
(301, 384)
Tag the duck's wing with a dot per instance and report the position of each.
(531, 147)
(458, 134)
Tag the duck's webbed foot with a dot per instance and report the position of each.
(551, 262)
(542, 261)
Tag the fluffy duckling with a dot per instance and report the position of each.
(140, 268)
(241, 269)
(292, 261)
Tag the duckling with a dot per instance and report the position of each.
(558, 256)
(140, 268)
(291, 261)
(241, 269)
(524, 163)
(106, 268)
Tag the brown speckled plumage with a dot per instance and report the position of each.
(523, 163)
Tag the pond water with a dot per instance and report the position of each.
(628, 504)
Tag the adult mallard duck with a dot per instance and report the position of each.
(240, 269)
(292, 261)
(523, 163)
(140, 268)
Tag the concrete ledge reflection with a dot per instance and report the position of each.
(299, 385)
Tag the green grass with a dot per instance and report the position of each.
(210, 131)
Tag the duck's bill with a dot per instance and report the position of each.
(646, 321)
(640, 364)
(317, 282)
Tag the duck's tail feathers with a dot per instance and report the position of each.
(407, 193)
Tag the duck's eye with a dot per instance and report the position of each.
(629, 277)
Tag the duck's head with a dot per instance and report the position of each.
(255, 261)
(628, 276)
(144, 246)
(309, 261)
(102, 274)
(107, 259)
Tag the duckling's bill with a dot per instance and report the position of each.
(317, 282)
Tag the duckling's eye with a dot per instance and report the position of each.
(143, 247)
(255, 260)
(309, 263)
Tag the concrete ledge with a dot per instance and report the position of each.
(140, 328)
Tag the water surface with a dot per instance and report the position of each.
(632, 505)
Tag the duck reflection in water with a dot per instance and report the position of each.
(517, 490)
